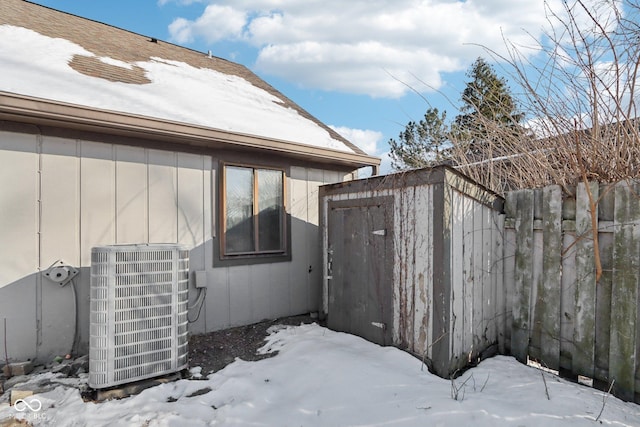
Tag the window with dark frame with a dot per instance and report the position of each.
(253, 212)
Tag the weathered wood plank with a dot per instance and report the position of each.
(499, 236)
(624, 297)
(488, 284)
(458, 327)
(510, 206)
(424, 268)
(523, 275)
(468, 282)
(603, 311)
(477, 282)
(537, 254)
(585, 290)
(551, 275)
(568, 298)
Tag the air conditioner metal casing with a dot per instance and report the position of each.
(138, 325)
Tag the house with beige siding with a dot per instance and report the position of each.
(108, 137)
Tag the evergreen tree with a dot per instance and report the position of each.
(421, 144)
(488, 113)
(488, 123)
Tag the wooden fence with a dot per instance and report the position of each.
(562, 315)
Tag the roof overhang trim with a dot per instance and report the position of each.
(41, 111)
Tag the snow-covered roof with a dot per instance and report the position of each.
(61, 57)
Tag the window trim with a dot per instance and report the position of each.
(252, 257)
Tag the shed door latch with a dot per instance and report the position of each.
(379, 325)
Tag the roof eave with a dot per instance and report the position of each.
(41, 111)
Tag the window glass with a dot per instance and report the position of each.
(254, 210)
(270, 210)
(239, 210)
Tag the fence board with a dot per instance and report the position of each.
(585, 285)
(624, 292)
(479, 332)
(568, 295)
(498, 276)
(537, 304)
(551, 275)
(467, 262)
(523, 275)
(488, 284)
(603, 313)
(511, 202)
(560, 314)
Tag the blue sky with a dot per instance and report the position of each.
(349, 63)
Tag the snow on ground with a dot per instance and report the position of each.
(34, 65)
(325, 378)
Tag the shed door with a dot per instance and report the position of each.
(361, 268)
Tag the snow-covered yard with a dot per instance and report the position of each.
(325, 378)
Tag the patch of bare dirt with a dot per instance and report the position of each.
(215, 350)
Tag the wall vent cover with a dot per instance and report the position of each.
(139, 298)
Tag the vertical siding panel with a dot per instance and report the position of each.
(299, 275)
(18, 208)
(551, 263)
(476, 281)
(336, 297)
(412, 230)
(131, 195)
(163, 197)
(261, 292)
(191, 211)
(404, 235)
(441, 279)
(190, 206)
(240, 296)
(523, 275)
(97, 216)
(585, 296)
(218, 300)
(18, 234)
(424, 269)
(624, 298)
(315, 178)
(97, 198)
(280, 296)
(59, 240)
(467, 268)
(457, 278)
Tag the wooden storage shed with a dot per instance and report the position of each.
(415, 260)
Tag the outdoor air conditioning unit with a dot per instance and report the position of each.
(139, 298)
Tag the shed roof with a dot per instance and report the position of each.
(62, 69)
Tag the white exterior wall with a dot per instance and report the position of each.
(61, 197)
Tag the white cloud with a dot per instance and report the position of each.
(357, 46)
(366, 140)
(215, 24)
